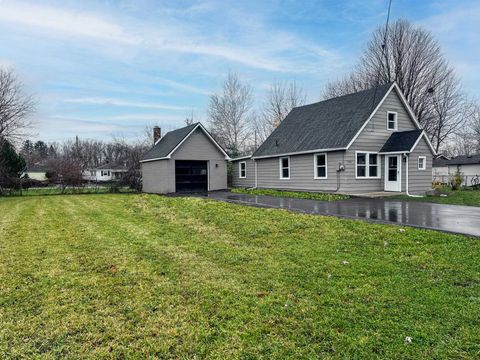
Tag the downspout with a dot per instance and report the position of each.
(406, 179)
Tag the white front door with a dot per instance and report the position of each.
(393, 173)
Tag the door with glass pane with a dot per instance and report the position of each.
(393, 173)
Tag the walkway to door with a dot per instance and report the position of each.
(450, 218)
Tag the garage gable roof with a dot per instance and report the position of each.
(168, 144)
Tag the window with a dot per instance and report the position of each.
(242, 170)
(422, 163)
(320, 166)
(285, 168)
(391, 120)
(366, 164)
(105, 173)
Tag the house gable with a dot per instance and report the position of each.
(174, 140)
(375, 133)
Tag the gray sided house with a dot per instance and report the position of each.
(184, 160)
(368, 141)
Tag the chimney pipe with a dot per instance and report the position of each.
(157, 134)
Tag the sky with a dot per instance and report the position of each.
(103, 69)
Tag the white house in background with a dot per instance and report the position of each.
(467, 165)
(439, 167)
(107, 172)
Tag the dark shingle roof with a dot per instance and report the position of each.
(327, 124)
(168, 143)
(112, 167)
(464, 160)
(440, 162)
(401, 141)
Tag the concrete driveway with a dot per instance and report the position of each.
(450, 218)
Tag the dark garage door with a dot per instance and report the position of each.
(191, 176)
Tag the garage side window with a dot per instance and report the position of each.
(285, 168)
(242, 170)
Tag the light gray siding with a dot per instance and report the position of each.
(301, 173)
(420, 181)
(249, 181)
(372, 138)
(199, 147)
(159, 176)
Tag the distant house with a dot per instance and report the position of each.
(107, 172)
(439, 167)
(369, 141)
(467, 165)
(36, 172)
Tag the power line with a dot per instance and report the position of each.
(384, 53)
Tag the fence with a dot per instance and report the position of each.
(467, 180)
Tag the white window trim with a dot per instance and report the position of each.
(280, 167)
(367, 165)
(315, 166)
(424, 163)
(240, 170)
(396, 120)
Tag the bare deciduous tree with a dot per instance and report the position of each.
(475, 127)
(413, 58)
(450, 112)
(281, 99)
(230, 115)
(15, 107)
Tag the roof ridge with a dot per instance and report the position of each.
(344, 96)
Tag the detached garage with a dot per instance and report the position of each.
(183, 161)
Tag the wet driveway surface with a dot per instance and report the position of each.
(451, 218)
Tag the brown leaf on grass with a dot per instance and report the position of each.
(261, 294)
(112, 268)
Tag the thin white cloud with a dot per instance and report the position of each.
(122, 103)
(257, 47)
(64, 22)
(181, 86)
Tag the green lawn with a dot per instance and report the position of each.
(50, 190)
(291, 194)
(457, 197)
(137, 276)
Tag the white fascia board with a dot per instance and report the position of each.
(155, 159)
(241, 158)
(424, 135)
(298, 153)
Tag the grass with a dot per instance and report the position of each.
(291, 194)
(454, 197)
(68, 191)
(144, 276)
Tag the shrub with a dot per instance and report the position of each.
(456, 181)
